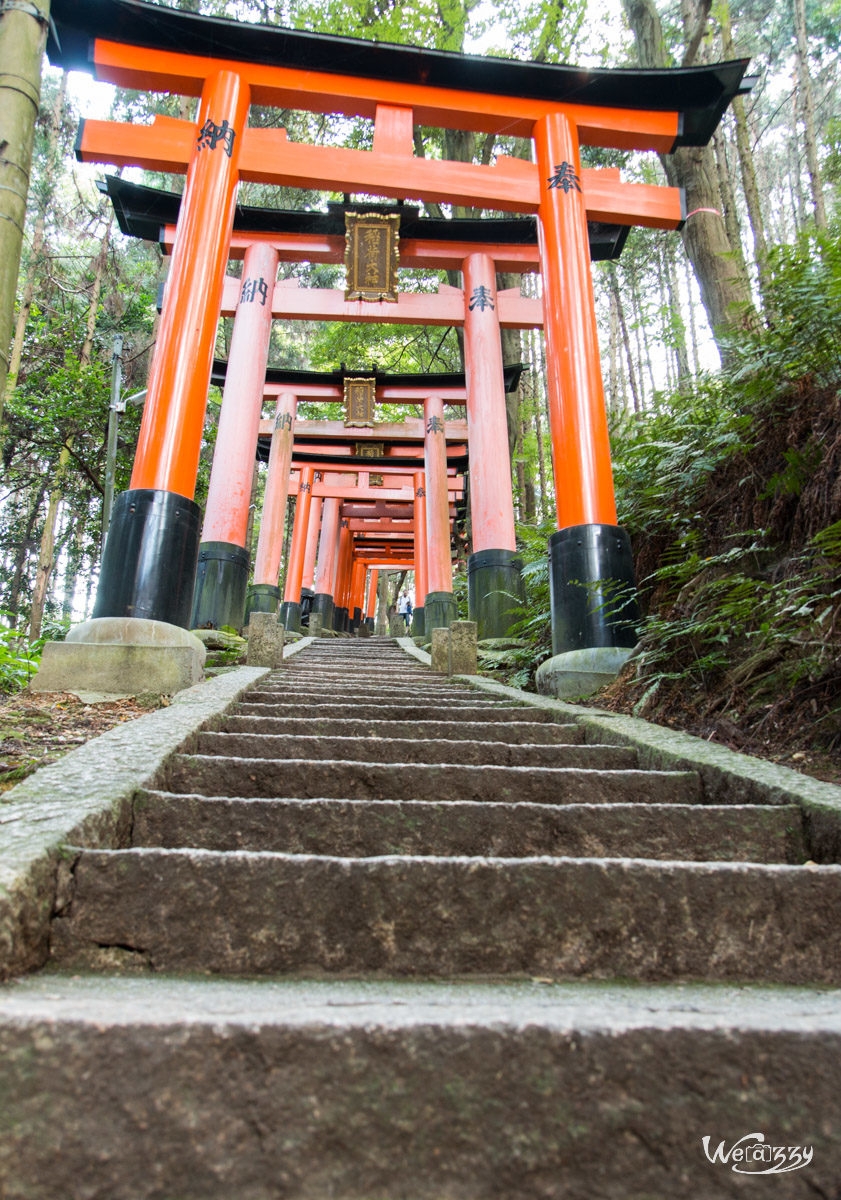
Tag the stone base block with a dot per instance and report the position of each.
(579, 673)
(122, 656)
(116, 669)
(265, 641)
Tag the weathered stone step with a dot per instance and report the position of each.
(469, 711)
(387, 695)
(208, 1089)
(395, 712)
(743, 833)
(247, 913)
(513, 732)
(411, 750)
(311, 779)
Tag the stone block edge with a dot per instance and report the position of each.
(85, 798)
(727, 776)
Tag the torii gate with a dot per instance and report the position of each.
(152, 546)
(263, 236)
(223, 560)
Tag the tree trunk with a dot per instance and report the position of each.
(728, 200)
(22, 40)
(807, 109)
(46, 557)
(623, 328)
(45, 199)
(24, 547)
(746, 164)
(725, 290)
(678, 326)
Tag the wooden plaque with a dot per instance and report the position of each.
(372, 252)
(370, 449)
(359, 401)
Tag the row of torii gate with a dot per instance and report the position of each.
(154, 545)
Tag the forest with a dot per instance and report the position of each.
(721, 357)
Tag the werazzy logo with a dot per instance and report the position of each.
(752, 1155)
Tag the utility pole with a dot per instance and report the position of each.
(23, 34)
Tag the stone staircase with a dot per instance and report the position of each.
(435, 946)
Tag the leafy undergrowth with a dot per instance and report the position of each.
(732, 495)
(36, 729)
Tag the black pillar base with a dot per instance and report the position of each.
(262, 597)
(494, 589)
(340, 620)
(149, 565)
(592, 588)
(440, 610)
(290, 616)
(418, 622)
(356, 620)
(221, 582)
(369, 621)
(306, 605)
(322, 605)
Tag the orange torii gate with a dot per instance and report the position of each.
(152, 545)
(223, 560)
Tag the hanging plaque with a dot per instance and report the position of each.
(375, 480)
(372, 252)
(370, 449)
(359, 401)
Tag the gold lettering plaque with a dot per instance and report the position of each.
(375, 480)
(372, 252)
(370, 449)
(359, 401)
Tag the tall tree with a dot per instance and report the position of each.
(724, 286)
(23, 35)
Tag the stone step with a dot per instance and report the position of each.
(343, 780)
(513, 732)
(204, 1089)
(358, 828)
(350, 692)
(396, 712)
(411, 750)
(261, 913)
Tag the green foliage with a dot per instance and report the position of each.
(19, 657)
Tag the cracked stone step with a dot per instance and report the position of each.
(262, 913)
(373, 1091)
(411, 750)
(397, 712)
(358, 828)
(311, 779)
(515, 732)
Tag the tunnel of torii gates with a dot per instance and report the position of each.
(152, 547)
(366, 497)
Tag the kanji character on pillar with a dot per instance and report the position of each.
(210, 135)
(565, 177)
(481, 298)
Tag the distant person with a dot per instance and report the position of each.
(404, 607)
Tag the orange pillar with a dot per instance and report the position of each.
(357, 594)
(290, 609)
(150, 558)
(264, 593)
(590, 557)
(310, 553)
(328, 550)
(343, 566)
(494, 580)
(222, 576)
(421, 556)
(439, 604)
(371, 608)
